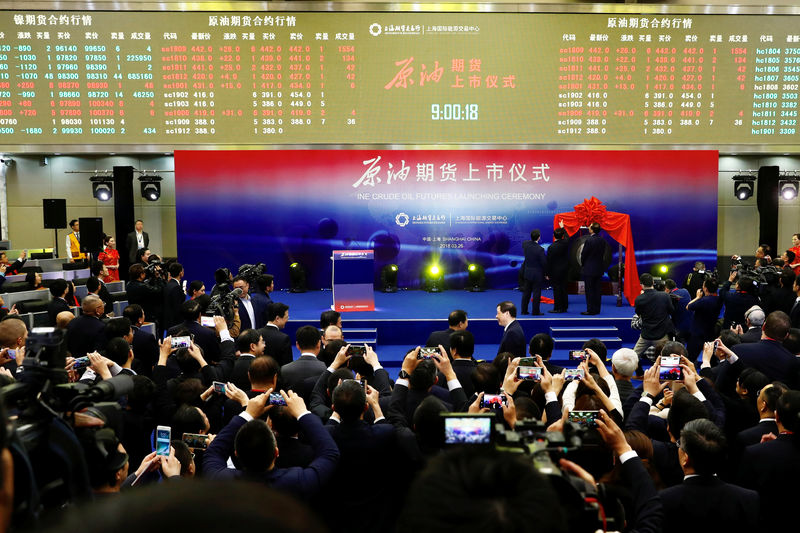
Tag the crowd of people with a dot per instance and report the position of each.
(329, 441)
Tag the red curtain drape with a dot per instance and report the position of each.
(617, 225)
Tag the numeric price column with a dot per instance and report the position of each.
(571, 87)
(267, 88)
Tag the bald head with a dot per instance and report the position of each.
(332, 332)
(92, 305)
(63, 318)
(13, 333)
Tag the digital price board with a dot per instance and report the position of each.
(176, 79)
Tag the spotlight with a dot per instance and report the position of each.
(788, 189)
(663, 269)
(102, 188)
(743, 186)
(150, 187)
(434, 278)
(476, 278)
(297, 278)
(389, 278)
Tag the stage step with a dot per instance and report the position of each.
(581, 329)
(580, 340)
(360, 335)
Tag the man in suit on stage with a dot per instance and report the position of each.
(533, 269)
(457, 321)
(135, 240)
(557, 267)
(73, 247)
(513, 337)
(702, 455)
(308, 342)
(592, 268)
(278, 345)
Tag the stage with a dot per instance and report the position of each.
(403, 320)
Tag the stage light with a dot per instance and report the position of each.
(434, 278)
(788, 189)
(663, 269)
(297, 278)
(743, 186)
(389, 278)
(150, 187)
(476, 278)
(102, 188)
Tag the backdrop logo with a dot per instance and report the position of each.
(375, 29)
(402, 220)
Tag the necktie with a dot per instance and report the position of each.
(78, 236)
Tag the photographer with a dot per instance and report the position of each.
(146, 291)
(739, 301)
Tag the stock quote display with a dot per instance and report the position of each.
(255, 78)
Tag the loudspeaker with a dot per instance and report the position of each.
(55, 213)
(91, 234)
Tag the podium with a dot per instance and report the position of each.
(353, 272)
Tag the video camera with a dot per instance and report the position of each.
(251, 272)
(587, 507)
(224, 304)
(46, 443)
(154, 269)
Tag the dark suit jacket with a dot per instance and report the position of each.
(148, 296)
(278, 344)
(513, 340)
(535, 261)
(736, 303)
(772, 469)
(259, 313)
(751, 436)
(239, 375)
(725, 507)
(260, 302)
(307, 366)
(463, 369)
(173, 299)
(55, 306)
(794, 315)
(779, 299)
(293, 453)
(706, 311)
(364, 448)
(592, 256)
(770, 358)
(558, 260)
(83, 334)
(300, 482)
(132, 245)
(204, 337)
(680, 316)
(655, 309)
(751, 335)
(145, 351)
(440, 337)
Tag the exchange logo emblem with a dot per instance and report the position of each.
(401, 220)
(375, 29)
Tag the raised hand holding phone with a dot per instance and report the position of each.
(294, 403)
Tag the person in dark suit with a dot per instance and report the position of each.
(251, 313)
(85, 331)
(513, 340)
(145, 345)
(173, 295)
(681, 317)
(768, 356)
(594, 249)
(58, 290)
(753, 321)
(702, 456)
(457, 321)
(557, 268)
(772, 468)
(262, 376)
(766, 404)
(739, 301)
(794, 313)
(277, 343)
(655, 309)
(363, 447)
(623, 365)
(533, 271)
(542, 344)
(294, 452)
(308, 340)
(135, 240)
(147, 294)
(265, 284)
(780, 298)
(203, 336)
(705, 307)
(253, 443)
(250, 345)
(462, 348)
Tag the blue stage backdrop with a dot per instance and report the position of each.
(415, 207)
